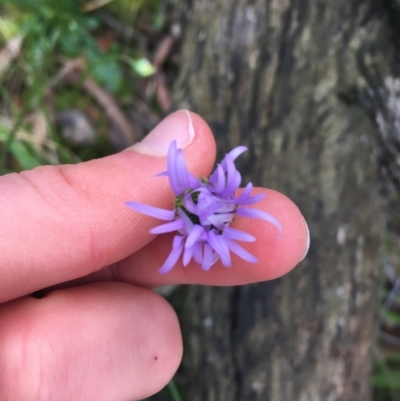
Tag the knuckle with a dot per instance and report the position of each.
(66, 199)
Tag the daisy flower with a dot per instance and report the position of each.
(203, 211)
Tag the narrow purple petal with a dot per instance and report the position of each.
(236, 152)
(215, 258)
(207, 204)
(152, 211)
(220, 184)
(207, 258)
(194, 182)
(188, 224)
(238, 235)
(219, 245)
(177, 247)
(219, 220)
(246, 199)
(246, 192)
(172, 169)
(189, 204)
(226, 207)
(187, 255)
(194, 235)
(236, 182)
(181, 170)
(213, 178)
(163, 174)
(250, 200)
(233, 154)
(241, 252)
(259, 214)
(225, 256)
(205, 213)
(233, 185)
(198, 252)
(168, 227)
(230, 169)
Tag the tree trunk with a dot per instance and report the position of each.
(310, 87)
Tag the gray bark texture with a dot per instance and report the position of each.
(312, 88)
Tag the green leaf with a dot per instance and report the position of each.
(8, 29)
(23, 156)
(107, 73)
(143, 67)
(389, 380)
(174, 391)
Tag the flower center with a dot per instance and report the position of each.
(179, 204)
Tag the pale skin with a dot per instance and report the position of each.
(100, 332)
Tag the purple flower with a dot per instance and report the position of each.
(203, 211)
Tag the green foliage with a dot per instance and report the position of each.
(53, 27)
(175, 395)
(386, 378)
(20, 150)
(53, 31)
(386, 374)
(105, 68)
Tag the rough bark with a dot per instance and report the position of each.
(310, 87)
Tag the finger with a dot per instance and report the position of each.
(60, 223)
(276, 255)
(105, 341)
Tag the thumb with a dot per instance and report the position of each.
(64, 222)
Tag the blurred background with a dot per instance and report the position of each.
(83, 79)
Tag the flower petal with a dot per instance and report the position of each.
(188, 224)
(215, 259)
(219, 179)
(230, 169)
(194, 235)
(168, 227)
(172, 169)
(219, 245)
(189, 203)
(250, 200)
(232, 185)
(238, 235)
(194, 182)
(219, 220)
(241, 252)
(259, 214)
(187, 255)
(246, 199)
(236, 152)
(177, 247)
(181, 170)
(163, 174)
(152, 211)
(207, 258)
(198, 252)
(247, 191)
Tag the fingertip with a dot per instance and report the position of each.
(278, 252)
(187, 129)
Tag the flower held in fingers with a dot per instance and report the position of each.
(203, 211)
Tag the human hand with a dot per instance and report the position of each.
(103, 334)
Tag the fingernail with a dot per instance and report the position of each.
(308, 240)
(177, 127)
